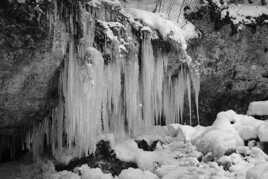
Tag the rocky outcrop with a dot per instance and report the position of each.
(234, 63)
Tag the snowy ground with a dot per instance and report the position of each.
(181, 152)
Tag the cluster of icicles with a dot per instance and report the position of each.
(123, 97)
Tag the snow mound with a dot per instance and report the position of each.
(246, 126)
(259, 108)
(127, 151)
(132, 173)
(167, 28)
(217, 141)
(244, 13)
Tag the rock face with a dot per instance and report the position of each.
(28, 70)
(235, 65)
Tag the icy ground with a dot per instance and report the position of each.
(180, 152)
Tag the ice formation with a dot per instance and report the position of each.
(124, 96)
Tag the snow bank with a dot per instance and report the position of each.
(167, 28)
(244, 13)
(258, 108)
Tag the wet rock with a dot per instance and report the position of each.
(142, 144)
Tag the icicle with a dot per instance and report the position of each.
(114, 118)
(83, 99)
(188, 83)
(195, 76)
(132, 97)
(168, 101)
(147, 78)
(158, 87)
(180, 93)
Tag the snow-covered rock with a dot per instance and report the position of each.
(246, 126)
(132, 173)
(127, 151)
(258, 108)
(218, 141)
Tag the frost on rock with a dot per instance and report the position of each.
(258, 108)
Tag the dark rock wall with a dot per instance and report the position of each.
(28, 71)
(234, 65)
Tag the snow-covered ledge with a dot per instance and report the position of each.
(168, 30)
